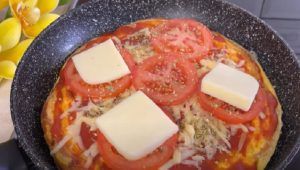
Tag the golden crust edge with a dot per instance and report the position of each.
(47, 116)
(267, 155)
(46, 122)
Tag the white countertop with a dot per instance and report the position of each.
(6, 126)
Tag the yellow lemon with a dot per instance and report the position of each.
(7, 69)
(47, 6)
(3, 4)
(16, 53)
(34, 30)
(10, 33)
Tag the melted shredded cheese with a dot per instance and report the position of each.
(262, 115)
(86, 114)
(235, 127)
(60, 144)
(73, 132)
(90, 153)
(242, 141)
(180, 154)
(141, 50)
(251, 128)
(74, 128)
(75, 107)
(200, 136)
(210, 62)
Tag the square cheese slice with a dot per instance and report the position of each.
(230, 85)
(101, 63)
(136, 126)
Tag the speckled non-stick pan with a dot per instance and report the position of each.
(39, 68)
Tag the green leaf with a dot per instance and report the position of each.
(8, 14)
(63, 2)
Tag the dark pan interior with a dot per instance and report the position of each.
(38, 70)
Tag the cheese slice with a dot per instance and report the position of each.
(101, 63)
(136, 126)
(230, 85)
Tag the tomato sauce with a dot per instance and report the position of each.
(269, 125)
(56, 127)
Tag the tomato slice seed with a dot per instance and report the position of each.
(167, 78)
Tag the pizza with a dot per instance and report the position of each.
(178, 91)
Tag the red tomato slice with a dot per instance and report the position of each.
(88, 137)
(74, 82)
(231, 114)
(191, 39)
(167, 79)
(151, 162)
(128, 58)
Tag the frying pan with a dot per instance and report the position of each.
(39, 68)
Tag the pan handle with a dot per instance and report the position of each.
(10, 156)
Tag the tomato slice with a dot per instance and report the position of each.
(127, 58)
(151, 162)
(74, 82)
(231, 114)
(105, 90)
(88, 137)
(167, 79)
(190, 38)
(124, 31)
